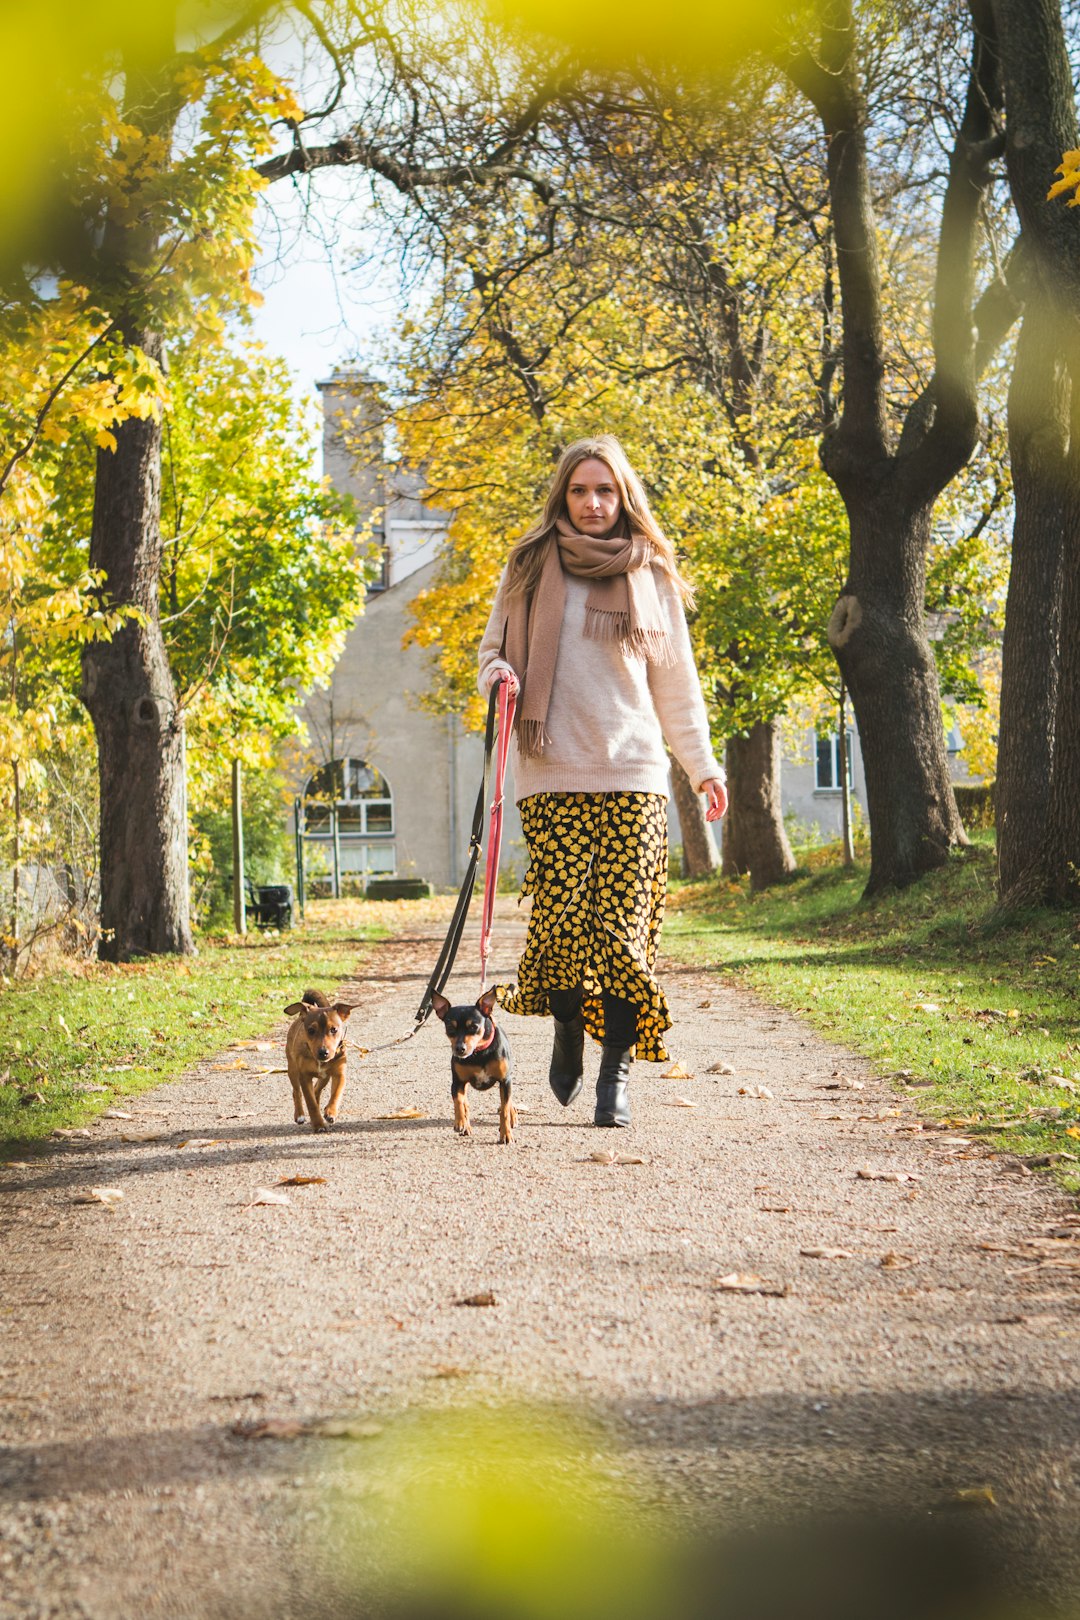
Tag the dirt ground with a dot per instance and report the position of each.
(909, 1343)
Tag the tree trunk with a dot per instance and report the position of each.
(1061, 844)
(1038, 438)
(128, 688)
(879, 637)
(699, 850)
(754, 838)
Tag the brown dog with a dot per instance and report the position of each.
(315, 1054)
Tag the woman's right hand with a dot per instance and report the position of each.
(501, 671)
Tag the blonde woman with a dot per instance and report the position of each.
(588, 626)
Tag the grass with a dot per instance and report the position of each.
(980, 1013)
(86, 1035)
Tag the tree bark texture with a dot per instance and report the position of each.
(128, 688)
(878, 634)
(1041, 124)
(889, 486)
(1038, 447)
(699, 858)
(754, 838)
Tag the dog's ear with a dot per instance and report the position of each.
(487, 1001)
(343, 1009)
(439, 1005)
(296, 1008)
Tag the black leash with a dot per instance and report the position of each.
(444, 965)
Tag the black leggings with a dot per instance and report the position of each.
(620, 1016)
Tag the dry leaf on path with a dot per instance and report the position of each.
(976, 1496)
(109, 1196)
(900, 1176)
(628, 1158)
(826, 1254)
(62, 1130)
(404, 1113)
(270, 1429)
(444, 1370)
(748, 1282)
(762, 1092)
(201, 1142)
(301, 1181)
(676, 1072)
(116, 1113)
(601, 1156)
(486, 1298)
(267, 1195)
(893, 1261)
(143, 1136)
(679, 1102)
(719, 1068)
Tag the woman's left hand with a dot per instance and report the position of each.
(716, 793)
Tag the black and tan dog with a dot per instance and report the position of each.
(315, 1055)
(480, 1057)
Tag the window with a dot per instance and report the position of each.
(380, 579)
(365, 806)
(827, 775)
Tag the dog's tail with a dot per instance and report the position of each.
(315, 998)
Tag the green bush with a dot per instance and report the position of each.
(975, 802)
(269, 850)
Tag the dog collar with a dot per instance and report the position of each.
(485, 1044)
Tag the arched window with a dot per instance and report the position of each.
(362, 794)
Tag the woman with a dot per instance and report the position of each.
(588, 626)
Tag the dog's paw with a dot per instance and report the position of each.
(462, 1130)
(300, 1119)
(329, 1119)
(506, 1141)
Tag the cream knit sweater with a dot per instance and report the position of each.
(609, 715)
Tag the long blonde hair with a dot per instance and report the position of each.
(527, 556)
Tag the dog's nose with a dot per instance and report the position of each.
(324, 1053)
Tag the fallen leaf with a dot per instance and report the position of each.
(719, 1068)
(404, 1113)
(237, 1063)
(143, 1136)
(628, 1158)
(755, 1091)
(892, 1261)
(704, 1005)
(116, 1113)
(200, 1142)
(926, 1006)
(301, 1181)
(267, 1195)
(976, 1495)
(270, 1429)
(679, 1102)
(443, 1370)
(67, 1131)
(601, 1156)
(887, 1175)
(18, 1164)
(1072, 1130)
(109, 1196)
(676, 1072)
(748, 1282)
(826, 1254)
(486, 1298)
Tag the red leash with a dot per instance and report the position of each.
(507, 705)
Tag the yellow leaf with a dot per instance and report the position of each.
(106, 440)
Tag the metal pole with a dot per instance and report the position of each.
(239, 911)
(845, 785)
(335, 837)
(298, 818)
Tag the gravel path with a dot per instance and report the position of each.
(915, 1337)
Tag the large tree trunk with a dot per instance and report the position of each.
(128, 689)
(878, 634)
(889, 485)
(1041, 124)
(1038, 443)
(755, 839)
(699, 850)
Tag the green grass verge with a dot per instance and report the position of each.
(78, 1039)
(927, 983)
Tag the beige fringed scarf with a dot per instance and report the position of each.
(622, 606)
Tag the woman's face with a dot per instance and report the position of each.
(593, 503)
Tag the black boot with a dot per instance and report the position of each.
(612, 1093)
(567, 1059)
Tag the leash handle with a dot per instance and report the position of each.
(507, 706)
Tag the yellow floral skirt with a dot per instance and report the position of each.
(598, 877)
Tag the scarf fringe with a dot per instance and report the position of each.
(654, 646)
(530, 737)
